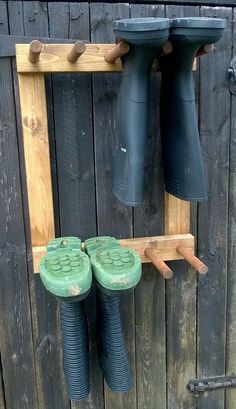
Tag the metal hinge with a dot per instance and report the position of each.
(196, 386)
(232, 75)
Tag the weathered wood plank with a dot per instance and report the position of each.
(231, 281)
(16, 344)
(213, 217)
(51, 389)
(181, 303)
(150, 293)
(87, 223)
(2, 394)
(113, 217)
(196, 2)
(74, 140)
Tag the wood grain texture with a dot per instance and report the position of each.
(180, 297)
(31, 18)
(53, 58)
(37, 160)
(165, 247)
(231, 282)
(2, 393)
(75, 156)
(213, 217)
(113, 217)
(16, 341)
(177, 215)
(150, 293)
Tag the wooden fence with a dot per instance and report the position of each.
(176, 330)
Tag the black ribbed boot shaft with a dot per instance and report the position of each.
(112, 351)
(75, 349)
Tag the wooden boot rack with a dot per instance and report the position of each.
(33, 61)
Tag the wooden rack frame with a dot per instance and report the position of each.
(50, 59)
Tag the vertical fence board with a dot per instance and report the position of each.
(113, 217)
(2, 394)
(51, 389)
(74, 141)
(16, 342)
(231, 287)
(150, 293)
(181, 309)
(213, 218)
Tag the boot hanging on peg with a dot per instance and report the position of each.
(192, 260)
(77, 50)
(160, 265)
(118, 51)
(35, 49)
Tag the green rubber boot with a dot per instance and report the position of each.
(98, 244)
(115, 269)
(66, 273)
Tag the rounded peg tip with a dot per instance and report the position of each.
(160, 265)
(117, 51)
(35, 49)
(206, 49)
(192, 260)
(77, 50)
(167, 48)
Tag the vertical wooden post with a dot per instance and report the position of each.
(177, 215)
(37, 158)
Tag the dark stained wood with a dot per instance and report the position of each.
(75, 157)
(32, 19)
(74, 142)
(73, 129)
(2, 395)
(213, 215)
(196, 2)
(231, 282)
(181, 309)
(158, 329)
(150, 293)
(16, 343)
(113, 217)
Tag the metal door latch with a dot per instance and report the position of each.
(232, 75)
(196, 386)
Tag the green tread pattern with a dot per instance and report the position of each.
(101, 243)
(65, 270)
(117, 268)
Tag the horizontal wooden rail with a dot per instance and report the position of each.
(53, 58)
(165, 247)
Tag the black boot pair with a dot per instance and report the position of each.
(182, 159)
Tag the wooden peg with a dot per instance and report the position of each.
(117, 51)
(206, 49)
(192, 260)
(35, 49)
(160, 265)
(77, 50)
(166, 49)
